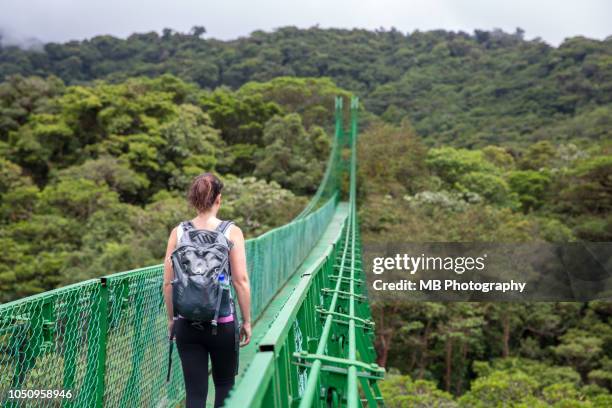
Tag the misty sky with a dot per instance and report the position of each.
(62, 20)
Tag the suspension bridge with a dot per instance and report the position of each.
(104, 341)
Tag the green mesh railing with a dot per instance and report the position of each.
(104, 340)
(51, 341)
(274, 256)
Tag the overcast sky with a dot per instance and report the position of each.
(62, 20)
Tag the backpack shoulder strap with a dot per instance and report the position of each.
(224, 226)
(179, 232)
(184, 227)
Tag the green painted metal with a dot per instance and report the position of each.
(101, 336)
(51, 341)
(319, 348)
(330, 185)
(105, 339)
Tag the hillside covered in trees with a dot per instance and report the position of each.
(465, 137)
(489, 87)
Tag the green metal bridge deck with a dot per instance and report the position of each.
(105, 339)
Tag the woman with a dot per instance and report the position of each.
(196, 340)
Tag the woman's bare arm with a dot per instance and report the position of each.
(240, 278)
(169, 276)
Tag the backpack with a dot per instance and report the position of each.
(202, 276)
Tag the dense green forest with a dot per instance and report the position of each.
(469, 90)
(488, 354)
(465, 137)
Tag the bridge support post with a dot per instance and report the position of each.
(101, 346)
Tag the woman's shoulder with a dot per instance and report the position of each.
(234, 232)
(231, 225)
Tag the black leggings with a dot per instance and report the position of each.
(195, 342)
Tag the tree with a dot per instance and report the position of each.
(198, 31)
(257, 205)
(293, 157)
(461, 329)
(530, 186)
(191, 146)
(498, 156)
(241, 118)
(590, 187)
(21, 96)
(312, 98)
(401, 391)
(580, 349)
(115, 173)
(538, 155)
(450, 164)
(501, 389)
(11, 176)
(391, 161)
(491, 187)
